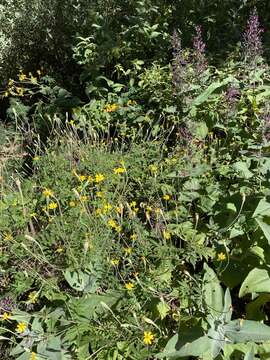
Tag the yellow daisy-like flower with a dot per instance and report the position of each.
(6, 316)
(112, 223)
(115, 262)
(128, 250)
(153, 168)
(129, 286)
(90, 179)
(52, 205)
(21, 327)
(82, 177)
(72, 203)
(99, 178)
(33, 356)
(22, 76)
(166, 197)
(8, 237)
(59, 250)
(32, 297)
(111, 107)
(107, 208)
(148, 337)
(83, 198)
(99, 194)
(133, 236)
(221, 256)
(47, 192)
(36, 158)
(167, 235)
(119, 170)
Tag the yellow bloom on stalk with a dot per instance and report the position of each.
(115, 262)
(83, 198)
(52, 205)
(8, 237)
(153, 168)
(90, 179)
(33, 356)
(221, 256)
(111, 107)
(32, 297)
(128, 250)
(59, 250)
(99, 178)
(22, 76)
(167, 235)
(166, 197)
(21, 327)
(107, 208)
(47, 193)
(6, 316)
(129, 286)
(119, 170)
(72, 204)
(82, 177)
(133, 236)
(99, 194)
(36, 158)
(148, 337)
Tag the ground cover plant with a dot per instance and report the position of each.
(134, 183)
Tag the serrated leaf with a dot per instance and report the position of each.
(163, 309)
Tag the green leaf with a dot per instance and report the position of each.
(163, 309)
(257, 281)
(201, 130)
(243, 169)
(265, 228)
(263, 209)
(247, 330)
(212, 292)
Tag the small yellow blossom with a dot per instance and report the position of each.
(133, 237)
(8, 237)
(36, 158)
(167, 235)
(111, 108)
(112, 223)
(52, 205)
(107, 208)
(148, 337)
(6, 316)
(33, 356)
(221, 256)
(19, 91)
(99, 211)
(22, 76)
(72, 203)
(82, 177)
(59, 250)
(166, 197)
(32, 297)
(21, 327)
(90, 179)
(119, 170)
(115, 262)
(99, 178)
(99, 194)
(129, 286)
(83, 198)
(153, 168)
(47, 193)
(128, 250)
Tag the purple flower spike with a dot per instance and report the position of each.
(199, 46)
(252, 43)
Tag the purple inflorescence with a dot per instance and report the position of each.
(199, 58)
(252, 42)
(178, 59)
(7, 304)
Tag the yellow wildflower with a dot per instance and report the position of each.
(59, 250)
(99, 194)
(221, 256)
(22, 76)
(52, 205)
(47, 193)
(167, 235)
(107, 207)
(129, 286)
(99, 178)
(72, 203)
(148, 337)
(90, 179)
(33, 356)
(133, 237)
(119, 170)
(111, 108)
(115, 262)
(20, 91)
(6, 316)
(82, 177)
(128, 250)
(153, 168)
(21, 327)
(8, 237)
(166, 197)
(36, 158)
(83, 198)
(32, 297)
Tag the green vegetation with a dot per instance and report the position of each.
(134, 180)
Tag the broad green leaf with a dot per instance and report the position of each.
(212, 293)
(258, 281)
(242, 168)
(249, 355)
(247, 330)
(201, 130)
(227, 310)
(265, 227)
(263, 209)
